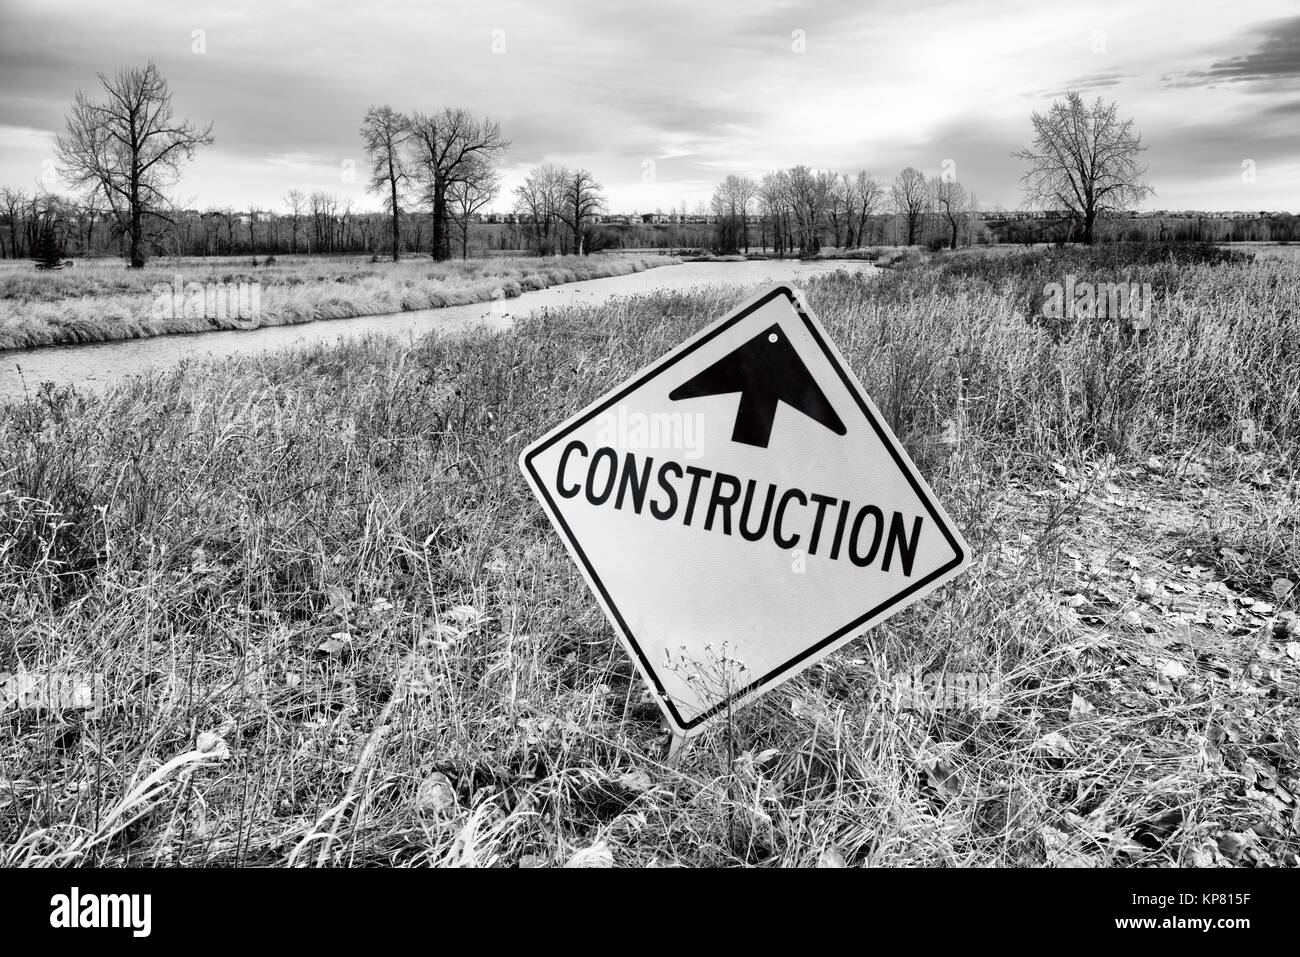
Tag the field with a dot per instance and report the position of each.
(336, 629)
(101, 300)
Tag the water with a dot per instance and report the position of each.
(95, 365)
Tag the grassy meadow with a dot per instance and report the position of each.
(336, 629)
(102, 300)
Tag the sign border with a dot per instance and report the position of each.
(825, 645)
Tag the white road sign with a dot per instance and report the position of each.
(741, 510)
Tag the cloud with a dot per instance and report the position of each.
(1099, 80)
(1274, 63)
(702, 90)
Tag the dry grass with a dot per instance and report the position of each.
(101, 300)
(337, 629)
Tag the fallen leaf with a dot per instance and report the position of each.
(1282, 587)
(598, 855)
(637, 780)
(463, 613)
(1155, 831)
(1146, 587)
(1080, 706)
(1201, 856)
(1060, 850)
(831, 857)
(214, 744)
(1234, 843)
(436, 794)
(1174, 669)
(1055, 744)
(943, 778)
(340, 598)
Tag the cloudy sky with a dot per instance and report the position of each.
(660, 99)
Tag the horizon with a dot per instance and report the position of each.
(662, 108)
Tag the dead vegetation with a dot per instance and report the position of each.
(336, 629)
(101, 300)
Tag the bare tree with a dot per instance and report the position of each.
(839, 211)
(865, 197)
(92, 211)
(297, 206)
(471, 193)
(580, 200)
(228, 218)
(345, 223)
(722, 206)
(538, 201)
(974, 224)
(366, 225)
(385, 132)
(732, 201)
(449, 146)
(911, 199)
(948, 198)
(254, 217)
(807, 195)
(324, 206)
(745, 191)
(52, 219)
(774, 200)
(725, 206)
(1084, 160)
(129, 147)
(12, 204)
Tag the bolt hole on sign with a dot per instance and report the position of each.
(740, 509)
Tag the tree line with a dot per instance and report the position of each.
(123, 151)
(434, 172)
(801, 210)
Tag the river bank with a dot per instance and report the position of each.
(102, 301)
(94, 365)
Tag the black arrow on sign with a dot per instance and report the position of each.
(765, 370)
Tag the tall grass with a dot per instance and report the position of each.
(338, 630)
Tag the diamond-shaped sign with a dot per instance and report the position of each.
(740, 509)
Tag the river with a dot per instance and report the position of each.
(92, 366)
